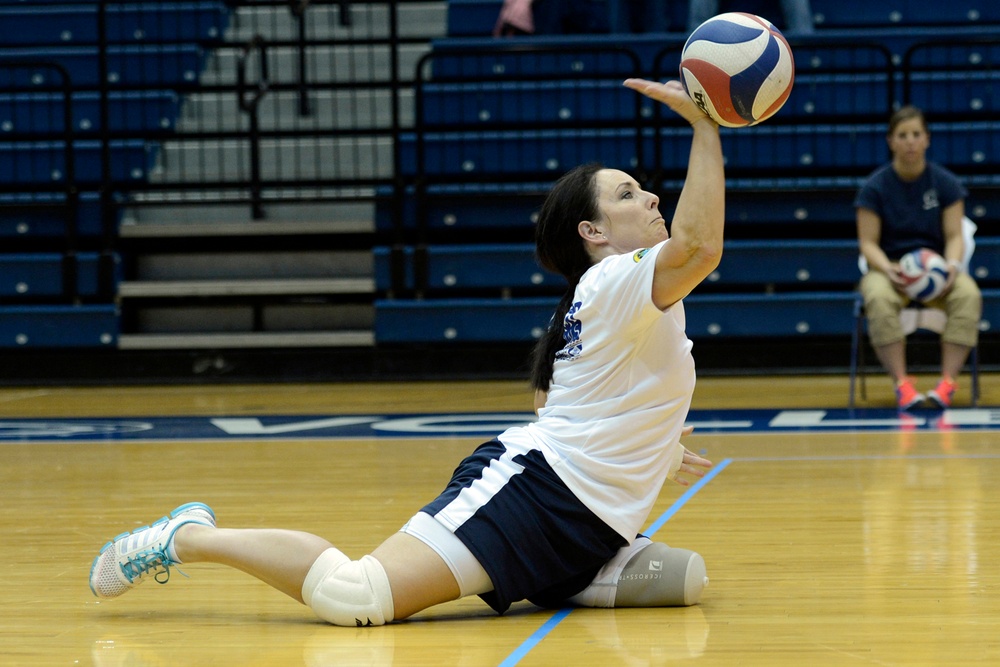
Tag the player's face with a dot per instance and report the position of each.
(631, 219)
(909, 140)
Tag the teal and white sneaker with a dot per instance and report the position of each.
(126, 560)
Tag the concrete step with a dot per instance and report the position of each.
(279, 110)
(246, 340)
(364, 63)
(226, 288)
(292, 159)
(416, 19)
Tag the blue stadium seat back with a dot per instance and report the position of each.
(486, 205)
(524, 320)
(985, 263)
(965, 145)
(983, 203)
(150, 66)
(517, 153)
(469, 18)
(954, 53)
(149, 22)
(788, 262)
(44, 162)
(803, 148)
(462, 320)
(965, 12)
(954, 94)
(43, 215)
(797, 201)
(86, 326)
(530, 103)
(31, 275)
(855, 13)
(488, 265)
(766, 315)
(823, 96)
(902, 13)
(147, 112)
(574, 57)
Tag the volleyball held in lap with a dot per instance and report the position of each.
(738, 68)
(925, 273)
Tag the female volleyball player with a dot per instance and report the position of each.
(550, 511)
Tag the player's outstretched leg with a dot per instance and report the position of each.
(147, 552)
(647, 574)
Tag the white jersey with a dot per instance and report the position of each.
(620, 393)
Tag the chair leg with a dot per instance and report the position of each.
(974, 371)
(855, 348)
(862, 383)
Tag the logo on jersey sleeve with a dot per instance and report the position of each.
(572, 328)
(639, 254)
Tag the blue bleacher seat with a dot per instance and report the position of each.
(573, 56)
(795, 201)
(787, 262)
(472, 17)
(44, 162)
(841, 14)
(42, 215)
(59, 326)
(491, 266)
(148, 22)
(32, 275)
(953, 94)
(827, 49)
(517, 152)
(822, 95)
(146, 65)
(985, 263)
(559, 101)
(525, 319)
(477, 205)
(43, 113)
(462, 320)
(794, 315)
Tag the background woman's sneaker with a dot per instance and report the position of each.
(943, 393)
(907, 396)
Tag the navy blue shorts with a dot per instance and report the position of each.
(533, 537)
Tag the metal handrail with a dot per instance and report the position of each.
(249, 98)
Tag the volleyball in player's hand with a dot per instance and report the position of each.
(738, 68)
(925, 273)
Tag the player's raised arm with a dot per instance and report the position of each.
(696, 231)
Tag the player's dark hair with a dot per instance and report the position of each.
(560, 248)
(905, 113)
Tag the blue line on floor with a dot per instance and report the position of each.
(540, 634)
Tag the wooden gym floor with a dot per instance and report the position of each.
(841, 546)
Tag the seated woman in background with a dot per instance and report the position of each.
(908, 204)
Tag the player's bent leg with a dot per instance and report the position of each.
(418, 575)
(647, 574)
(401, 577)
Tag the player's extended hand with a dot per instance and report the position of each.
(691, 464)
(672, 94)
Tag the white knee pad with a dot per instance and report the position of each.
(349, 593)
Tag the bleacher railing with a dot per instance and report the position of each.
(37, 165)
